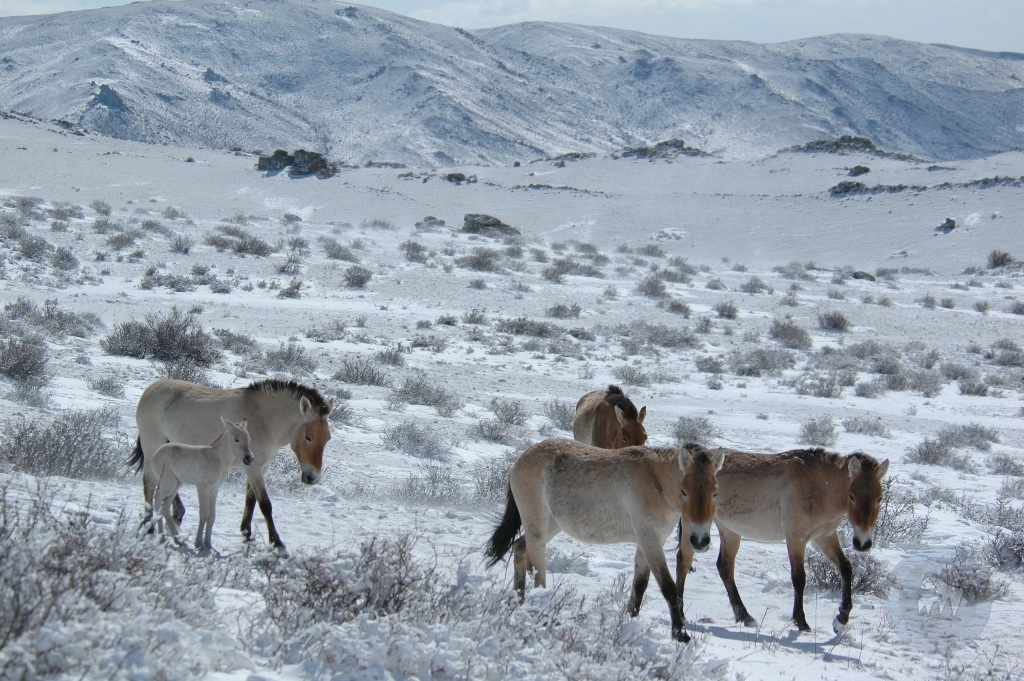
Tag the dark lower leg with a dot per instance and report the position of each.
(250, 505)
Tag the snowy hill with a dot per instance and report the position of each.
(362, 84)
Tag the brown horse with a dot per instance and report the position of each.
(800, 496)
(608, 419)
(604, 496)
(277, 412)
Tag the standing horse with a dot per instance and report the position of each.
(800, 496)
(608, 419)
(604, 496)
(206, 467)
(278, 413)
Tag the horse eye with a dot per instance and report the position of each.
(309, 439)
(852, 500)
(715, 495)
(685, 495)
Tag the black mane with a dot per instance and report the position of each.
(615, 397)
(295, 389)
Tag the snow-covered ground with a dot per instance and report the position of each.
(692, 264)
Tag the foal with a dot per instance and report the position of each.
(205, 466)
(604, 496)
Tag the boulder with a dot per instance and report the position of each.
(487, 225)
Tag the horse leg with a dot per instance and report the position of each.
(833, 550)
(179, 509)
(641, 576)
(204, 515)
(684, 562)
(258, 488)
(654, 555)
(250, 505)
(211, 515)
(797, 549)
(729, 545)
(536, 544)
(521, 565)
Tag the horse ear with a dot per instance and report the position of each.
(330, 405)
(619, 416)
(883, 468)
(642, 414)
(243, 423)
(224, 421)
(718, 459)
(306, 408)
(854, 467)
(685, 458)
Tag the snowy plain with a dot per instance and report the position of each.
(736, 246)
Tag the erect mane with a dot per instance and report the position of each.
(615, 397)
(294, 389)
(868, 463)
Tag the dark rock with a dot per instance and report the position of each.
(857, 171)
(430, 222)
(487, 225)
(279, 160)
(866, 276)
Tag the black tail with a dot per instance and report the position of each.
(137, 456)
(505, 534)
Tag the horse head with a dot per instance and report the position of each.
(240, 437)
(631, 432)
(700, 488)
(865, 497)
(310, 437)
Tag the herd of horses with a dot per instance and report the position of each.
(605, 486)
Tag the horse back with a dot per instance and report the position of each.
(596, 495)
(584, 425)
(771, 496)
(178, 411)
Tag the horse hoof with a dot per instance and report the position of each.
(749, 621)
(839, 626)
(680, 635)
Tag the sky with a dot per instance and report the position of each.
(993, 25)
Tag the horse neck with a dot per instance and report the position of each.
(277, 414)
(670, 479)
(222, 449)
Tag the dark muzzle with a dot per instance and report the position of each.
(861, 545)
(247, 459)
(700, 543)
(308, 478)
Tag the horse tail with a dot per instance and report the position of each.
(137, 456)
(505, 534)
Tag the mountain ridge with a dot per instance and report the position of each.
(361, 84)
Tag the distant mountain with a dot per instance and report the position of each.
(359, 84)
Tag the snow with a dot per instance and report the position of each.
(189, 615)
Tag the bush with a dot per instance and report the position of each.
(490, 478)
(975, 581)
(111, 386)
(652, 286)
(34, 248)
(631, 375)
(695, 429)
(174, 338)
(416, 388)
(820, 432)
(819, 385)
(432, 485)
(871, 576)
(871, 389)
(512, 412)
(357, 276)
(727, 310)
(898, 521)
(865, 426)
(63, 259)
(970, 435)
(419, 441)
(335, 251)
(833, 321)
(481, 260)
(23, 360)
(936, 452)
(74, 444)
(790, 335)
(755, 285)
(1006, 464)
(761, 360)
(999, 258)
(364, 371)
(524, 326)
(560, 413)
(561, 311)
(287, 358)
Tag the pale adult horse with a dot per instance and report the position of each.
(277, 412)
(205, 466)
(609, 419)
(799, 496)
(605, 496)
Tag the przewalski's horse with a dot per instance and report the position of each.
(608, 419)
(205, 466)
(605, 496)
(799, 496)
(278, 413)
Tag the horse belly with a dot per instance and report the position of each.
(766, 525)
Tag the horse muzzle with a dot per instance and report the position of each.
(247, 459)
(699, 542)
(862, 544)
(310, 475)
